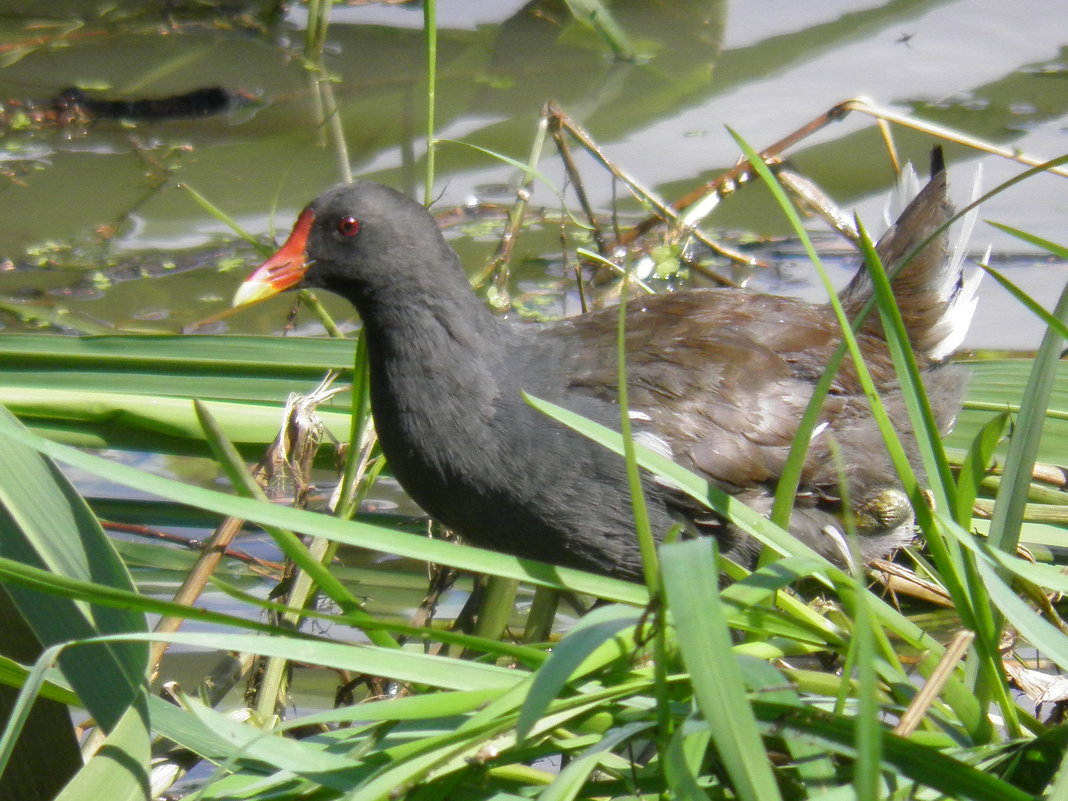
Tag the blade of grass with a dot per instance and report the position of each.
(790, 476)
(646, 543)
(290, 544)
(1027, 431)
(959, 581)
(976, 462)
(1051, 322)
(866, 774)
(117, 770)
(684, 759)
(572, 779)
(46, 525)
(359, 534)
(399, 664)
(592, 631)
(961, 699)
(226, 219)
(926, 766)
(526, 167)
(691, 588)
(45, 581)
(928, 435)
(958, 575)
(596, 15)
(430, 38)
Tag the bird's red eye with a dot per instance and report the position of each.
(348, 226)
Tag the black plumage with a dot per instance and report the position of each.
(718, 380)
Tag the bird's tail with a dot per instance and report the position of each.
(935, 297)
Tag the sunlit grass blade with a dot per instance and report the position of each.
(527, 168)
(598, 16)
(955, 572)
(268, 748)
(790, 474)
(928, 435)
(226, 219)
(869, 732)
(1032, 305)
(642, 528)
(399, 664)
(573, 777)
(690, 583)
(996, 388)
(360, 471)
(115, 771)
(44, 581)
(923, 765)
(996, 566)
(286, 540)
(688, 482)
(977, 462)
(1027, 432)
(957, 696)
(48, 526)
(359, 534)
(595, 629)
(1058, 250)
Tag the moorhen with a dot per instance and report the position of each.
(718, 379)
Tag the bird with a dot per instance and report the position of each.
(717, 381)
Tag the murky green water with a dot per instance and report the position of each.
(96, 231)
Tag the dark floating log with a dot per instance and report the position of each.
(76, 104)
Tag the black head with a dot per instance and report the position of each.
(352, 240)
